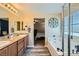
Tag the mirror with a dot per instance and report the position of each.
(4, 26)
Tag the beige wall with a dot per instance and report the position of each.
(6, 14)
(73, 8)
(49, 32)
(28, 20)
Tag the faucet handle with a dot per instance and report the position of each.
(58, 49)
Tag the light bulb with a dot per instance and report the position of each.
(8, 5)
(11, 8)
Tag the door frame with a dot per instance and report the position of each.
(44, 28)
(68, 31)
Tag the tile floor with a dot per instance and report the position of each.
(38, 50)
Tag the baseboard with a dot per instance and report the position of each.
(30, 46)
(50, 48)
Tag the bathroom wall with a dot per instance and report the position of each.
(13, 18)
(49, 32)
(56, 41)
(28, 20)
(6, 14)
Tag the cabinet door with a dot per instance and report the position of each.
(21, 46)
(4, 52)
(13, 49)
(26, 41)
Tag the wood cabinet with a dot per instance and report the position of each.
(4, 52)
(21, 43)
(25, 41)
(20, 53)
(12, 49)
(15, 49)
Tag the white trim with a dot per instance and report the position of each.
(52, 49)
(30, 46)
(74, 34)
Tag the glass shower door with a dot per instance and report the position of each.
(67, 29)
(74, 30)
(71, 29)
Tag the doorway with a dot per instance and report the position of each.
(39, 31)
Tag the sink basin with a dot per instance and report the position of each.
(4, 43)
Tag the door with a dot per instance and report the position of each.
(71, 30)
(66, 30)
(74, 30)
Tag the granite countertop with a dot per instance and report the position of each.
(7, 41)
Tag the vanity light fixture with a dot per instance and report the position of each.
(10, 7)
(7, 5)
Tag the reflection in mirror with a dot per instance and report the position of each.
(18, 25)
(22, 25)
(4, 27)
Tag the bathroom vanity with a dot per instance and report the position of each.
(15, 46)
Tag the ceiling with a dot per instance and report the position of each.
(44, 8)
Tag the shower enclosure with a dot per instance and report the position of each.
(70, 30)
